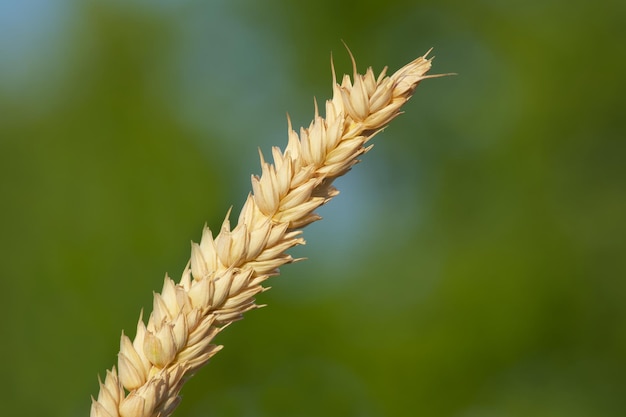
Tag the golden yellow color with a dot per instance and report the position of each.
(225, 272)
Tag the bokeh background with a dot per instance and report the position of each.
(473, 265)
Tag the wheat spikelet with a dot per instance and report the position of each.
(225, 272)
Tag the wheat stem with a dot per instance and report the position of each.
(225, 272)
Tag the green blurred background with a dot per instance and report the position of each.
(473, 265)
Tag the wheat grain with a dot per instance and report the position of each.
(225, 272)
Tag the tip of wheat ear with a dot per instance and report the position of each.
(226, 271)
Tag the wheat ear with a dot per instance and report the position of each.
(225, 272)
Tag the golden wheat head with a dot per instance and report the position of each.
(225, 272)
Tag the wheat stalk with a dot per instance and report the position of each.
(225, 272)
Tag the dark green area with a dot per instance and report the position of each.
(473, 266)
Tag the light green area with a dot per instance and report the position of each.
(473, 266)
